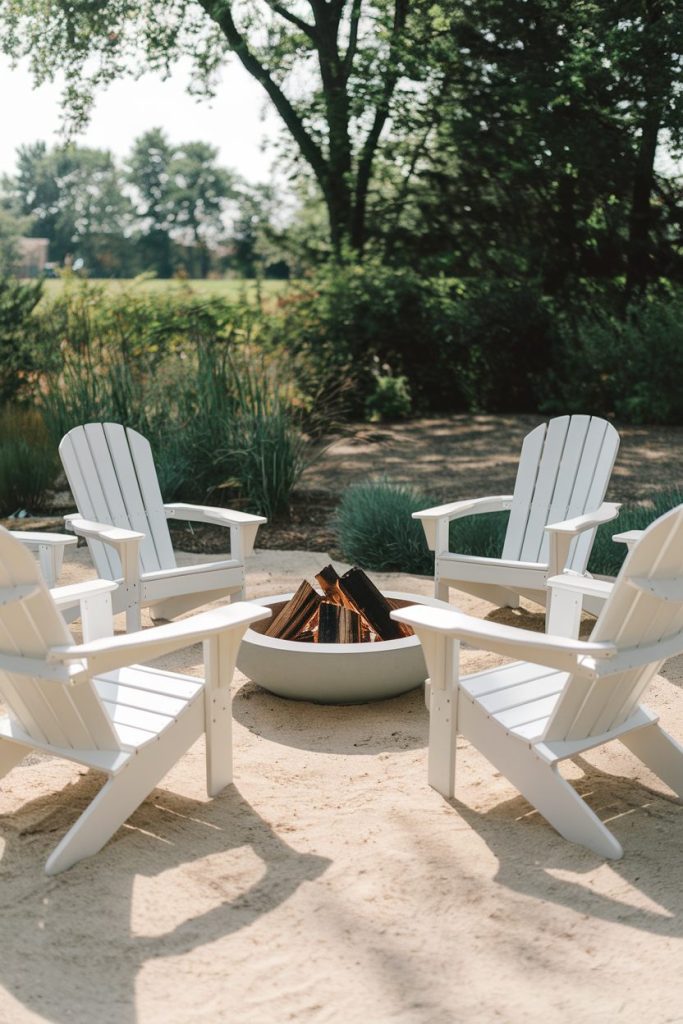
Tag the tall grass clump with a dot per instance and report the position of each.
(28, 462)
(263, 445)
(607, 556)
(375, 529)
(221, 419)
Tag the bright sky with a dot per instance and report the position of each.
(233, 121)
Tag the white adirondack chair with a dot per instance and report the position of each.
(568, 695)
(122, 515)
(49, 548)
(88, 703)
(563, 473)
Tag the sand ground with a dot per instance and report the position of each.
(331, 884)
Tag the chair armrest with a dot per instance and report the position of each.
(608, 510)
(564, 653)
(243, 526)
(562, 534)
(50, 550)
(75, 593)
(108, 534)
(628, 537)
(126, 543)
(105, 655)
(435, 520)
(34, 540)
(578, 584)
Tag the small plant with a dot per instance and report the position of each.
(390, 400)
(376, 531)
(28, 462)
(263, 450)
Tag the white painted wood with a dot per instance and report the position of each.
(114, 483)
(526, 719)
(88, 703)
(563, 472)
(49, 547)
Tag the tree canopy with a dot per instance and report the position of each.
(509, 136)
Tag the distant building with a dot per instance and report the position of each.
(32, 256)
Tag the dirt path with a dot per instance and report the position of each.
(466, 456)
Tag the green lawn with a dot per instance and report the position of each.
(233, 289)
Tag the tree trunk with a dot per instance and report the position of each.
(638, 255)
(656, 73)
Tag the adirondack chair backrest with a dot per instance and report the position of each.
(49, 711)
(113, 479)
(564, 470)
(645, 608)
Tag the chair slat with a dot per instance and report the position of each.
(143, 677)
(602, 445)
(129, 488)
(143, 700)
(81, 472)
(527, 472)
(546, 480)
(141, 454)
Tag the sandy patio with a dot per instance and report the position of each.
(331, 884)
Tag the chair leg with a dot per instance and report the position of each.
(660, 752)
(124, 793)
(441, 590)
(564, 809)
(10, 755)
(540, 783)
(443, 725)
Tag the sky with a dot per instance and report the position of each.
(233, 121)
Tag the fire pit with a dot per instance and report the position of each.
(333, 673)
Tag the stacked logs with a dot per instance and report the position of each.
(350, 610)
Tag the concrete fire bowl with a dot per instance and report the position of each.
(333, 673)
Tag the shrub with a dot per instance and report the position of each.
(506, 332)
(390, 400)
(17, 302)
(222, 422)
(630, 368)
(375, 528)
(351, 317)
(28, 462)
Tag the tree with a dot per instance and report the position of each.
(149, 172)
(533, 156)
(75, 198)
(331, 68)
(198, 189)
(11, 230)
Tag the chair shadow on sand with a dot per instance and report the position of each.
(647, 822)
(80, 923)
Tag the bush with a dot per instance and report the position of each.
(17, 302)
(221, 421)
(354, 316)
(375, 529)
(28, 462)
(507, 334)
(629, 368)
(390, 400)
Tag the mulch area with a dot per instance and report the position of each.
(448, 458)
(307, 528)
